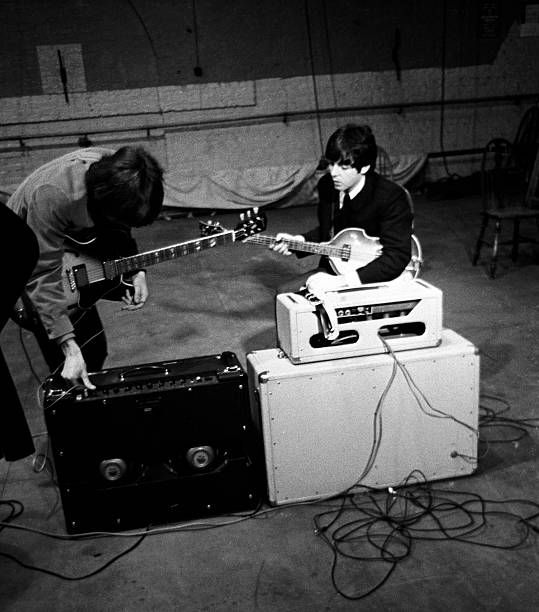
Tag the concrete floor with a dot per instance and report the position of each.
(222, 299)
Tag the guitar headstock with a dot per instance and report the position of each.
(252, 222)
(210, 228)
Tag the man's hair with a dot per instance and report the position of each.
(126, 187)
(354, 145)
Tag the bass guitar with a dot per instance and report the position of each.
(350, 249)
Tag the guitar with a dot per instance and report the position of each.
(348, 250)
(87, 279)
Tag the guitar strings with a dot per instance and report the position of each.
(123, 265)
(315, 247)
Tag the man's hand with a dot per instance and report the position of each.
(321, 282)
(280, 246)
(136, 297)
(74, 369)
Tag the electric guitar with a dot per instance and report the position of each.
(350, 249)
(86, 278)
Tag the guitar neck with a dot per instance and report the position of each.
(300, 245)
(116, 267)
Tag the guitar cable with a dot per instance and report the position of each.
(398, 510)
(420, 396)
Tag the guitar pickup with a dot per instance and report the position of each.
(79, 274)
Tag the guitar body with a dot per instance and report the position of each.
(358, 249)
(75, 268)
(355, 249)
(84, 281)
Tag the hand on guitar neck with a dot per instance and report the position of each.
(347, 252)
(282, 242)
(135, 297)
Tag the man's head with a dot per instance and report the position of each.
(351, 152)
(125, 187)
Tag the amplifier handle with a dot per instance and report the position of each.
(144, 369)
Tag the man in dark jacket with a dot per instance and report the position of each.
(353, 195)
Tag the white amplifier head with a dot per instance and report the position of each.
(407, 315)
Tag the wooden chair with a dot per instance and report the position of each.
(385, 168)
(383, 164)
(506, 197)
(416, 262)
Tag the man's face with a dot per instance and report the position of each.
(345, 176)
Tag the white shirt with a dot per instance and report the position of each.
(352, 193)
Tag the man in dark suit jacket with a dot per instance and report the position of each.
(352, 194)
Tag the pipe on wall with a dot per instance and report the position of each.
(255, 119)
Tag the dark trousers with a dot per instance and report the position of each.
(19, 252)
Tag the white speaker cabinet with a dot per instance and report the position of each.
(327, 426)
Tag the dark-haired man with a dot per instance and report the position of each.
(91, 191)
(353, 195)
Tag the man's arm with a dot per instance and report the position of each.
(48, 217)
(326, 204)
(396, 239)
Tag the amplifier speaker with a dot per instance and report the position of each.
(154, 443)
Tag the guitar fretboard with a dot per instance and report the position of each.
(116, 267)
(306, 247)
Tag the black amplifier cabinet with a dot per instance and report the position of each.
(154, 443)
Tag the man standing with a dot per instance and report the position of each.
(92, 194)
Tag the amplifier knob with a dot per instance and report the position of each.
(112, 469)
(200, 457)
